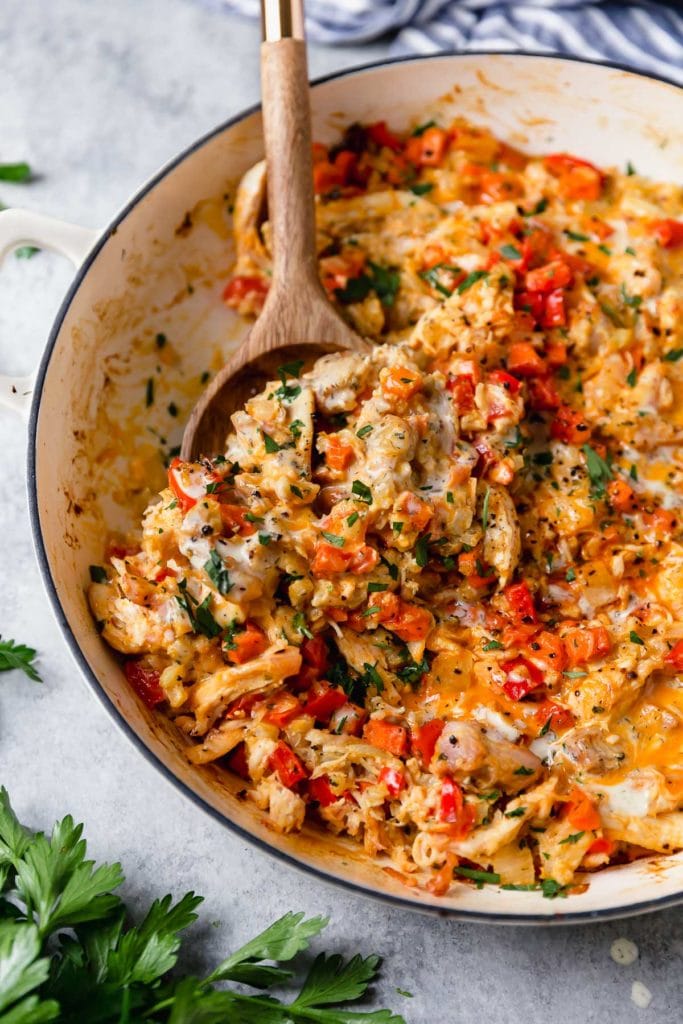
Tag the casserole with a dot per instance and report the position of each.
(158, 271)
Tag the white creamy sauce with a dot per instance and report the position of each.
(498, 725)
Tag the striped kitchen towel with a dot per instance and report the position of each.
(644, 35)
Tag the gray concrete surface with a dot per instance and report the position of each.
(97, 95)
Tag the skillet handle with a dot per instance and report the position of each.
(24, 227)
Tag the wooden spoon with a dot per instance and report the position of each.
(297, 320)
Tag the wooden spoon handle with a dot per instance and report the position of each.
(287, 135)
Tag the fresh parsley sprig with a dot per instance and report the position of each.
(18, 656)
(69, 953)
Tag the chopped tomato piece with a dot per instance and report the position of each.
(427, 149)
(338, 456)
(288, 766)
(237, 761)
(583, 644)
(329, 175)
(674, 659)
(401, 383)
(234, 519)
(532, 303)
(321, 791)
(582, 811)
(382, 136)
(569, 426)
(520, 601)
(549, 277)
(522, 678)
(424, 738)
(249, 643)
(669, 233)
(145, 681)
(387, 736)
(524, 360)
(242, 288)
(393, 779)
(621, 495)
(554, 715)
(323, 700)
(505, 380)
(282, 709)
(554, 313)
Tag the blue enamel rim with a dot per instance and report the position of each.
(578, 917)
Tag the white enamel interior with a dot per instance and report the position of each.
(137, 285)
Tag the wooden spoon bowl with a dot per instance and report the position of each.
(297, 320)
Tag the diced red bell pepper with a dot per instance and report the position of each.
(393, 779)
(549, 712)
(243, 287)
(320, 790)
(427, 149)
(601, 845)
(581, 811)
(549, 277)
(522, 678)
(520, 601)
(674, 659)
(423, 739)
(237, 761)
(323, 700)
(145, 681)
(453, 809)
(532, 303)
(387, 736)
(543, 395)
(505, 380)
(524, 360)
(288, 766)
(282, 709)
(584, 644)
(462, 389)
(554, 312)
(248, 644)
(382, 136)
(556, 354)
(315, 653)
(188, 482)
(546, 650)
(569, 426)
(578, 179)
(669, 233)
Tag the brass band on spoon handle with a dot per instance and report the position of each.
(282, 19)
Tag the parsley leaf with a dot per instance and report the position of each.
(362, 491)
(18, 656)
(333, 538)
(217, 572)
(422, 550)
(20, 172)
(599, 471)
(271, 445)
(472, 278)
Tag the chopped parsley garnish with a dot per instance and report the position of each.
(510, 252)
(296, 491)
(271, 445)
(574, 673)
(264, 539)
(576, 236)
(201, 619)
(299, 623)
(422, 550)
(485, 877)
(630, 169)
(635, 639)
(98, 574)
(634, 301)
(334, 539)
(570, 576)
(540, 207)
(673, 356)
(412, 671)
(472, 278)
(217, 572)
(397, 527)
(371, 611)
(421, 188)
(149, 393)
(422, 128)
(572, 839)
(522, 770)
(20, 172)
(431, 276)
(377, 588)
(26, 252)
(493, 645)
(632, 378)
(288, 392)
(251, 518)
(353, 518)
(384, 281)
(516, 813)
(599, 471)
(295, 428)
(372, 676)
(633, 472)
(364, 431)
(362, 491)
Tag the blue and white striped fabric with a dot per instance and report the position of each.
(645, 35)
